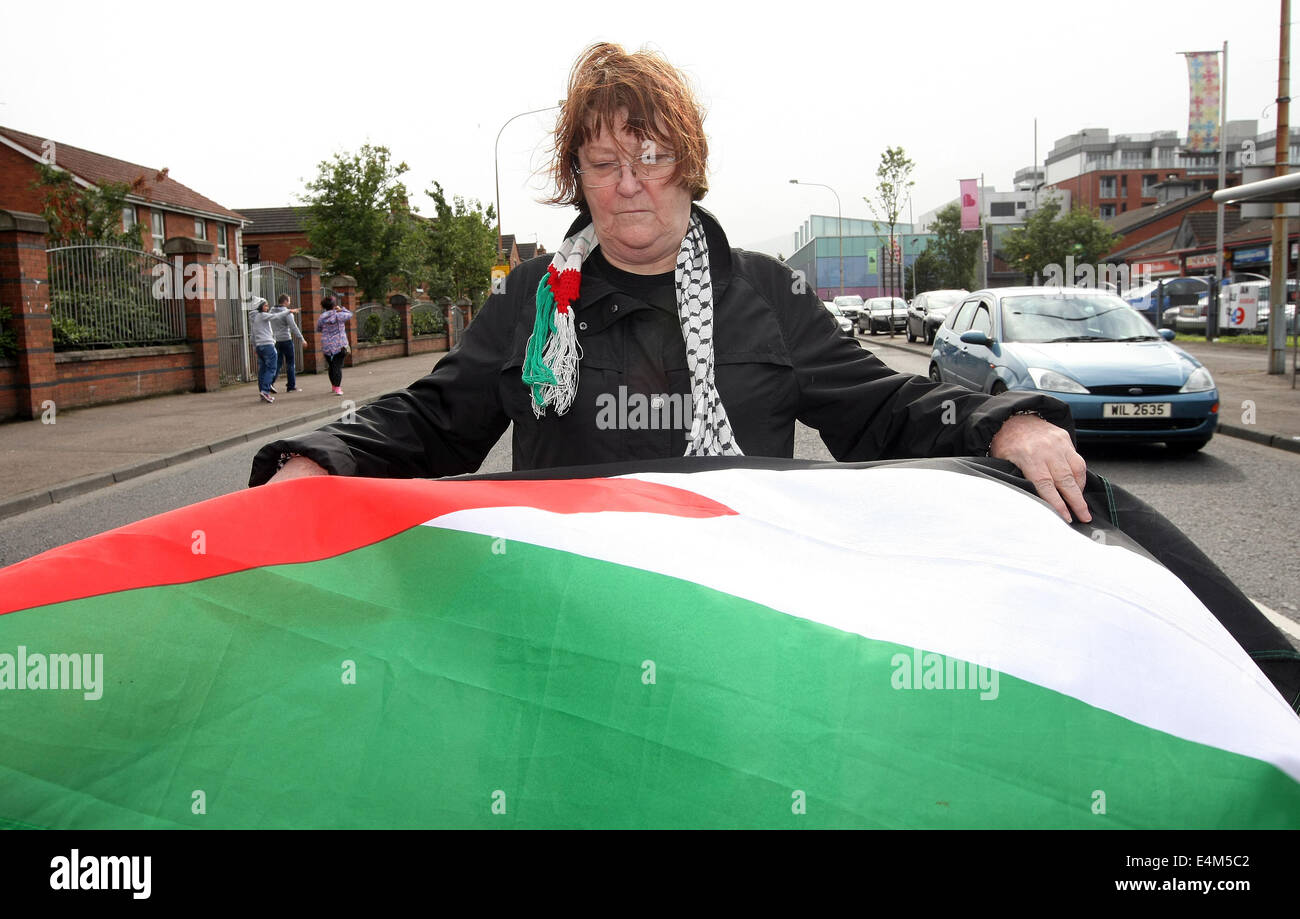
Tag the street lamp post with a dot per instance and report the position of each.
(496, 169)
(839, 225)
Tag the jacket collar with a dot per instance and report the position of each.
(719, 256)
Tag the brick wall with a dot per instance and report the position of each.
(363, 353)
(93, 377)
(277, 247)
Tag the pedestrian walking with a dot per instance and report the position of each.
(264, 342)
(286, 331)
(333, 326)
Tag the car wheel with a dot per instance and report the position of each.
(910, 337)
(1186, 447)
(935, 375)
(929, 336)
(873, 328)
(998, 388)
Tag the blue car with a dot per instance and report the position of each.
(1122, 380)
(1148, 301)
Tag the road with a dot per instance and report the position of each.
(1236, 499)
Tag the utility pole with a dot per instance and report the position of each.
(1281, 161)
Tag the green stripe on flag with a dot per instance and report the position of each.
(511, 688)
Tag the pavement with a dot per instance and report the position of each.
(91, 448)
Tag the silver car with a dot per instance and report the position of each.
(846, 326)
(928, 310)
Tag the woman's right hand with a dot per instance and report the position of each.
(298, 467)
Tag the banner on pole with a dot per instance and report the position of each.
(970, 204)
(1203, 101)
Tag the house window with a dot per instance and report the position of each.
(1106, 210)
(200, 228)
(1107, 187)
(159, 229)
(1148, 186)
(128, 218)
(223, 251)
(1002, 209)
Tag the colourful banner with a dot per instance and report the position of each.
(970, 204)
(1203, 101)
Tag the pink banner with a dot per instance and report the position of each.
(970, 204)
(1203, 101)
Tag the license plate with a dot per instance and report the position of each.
(1137, 410)
(1189, 311)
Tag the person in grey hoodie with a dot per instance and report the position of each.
(263, 326)
(286, 330)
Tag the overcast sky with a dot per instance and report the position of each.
(807, 90)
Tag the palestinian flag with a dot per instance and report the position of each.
(900, 645)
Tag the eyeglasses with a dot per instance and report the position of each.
(646, 167)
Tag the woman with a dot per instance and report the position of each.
(333, 326)
(263, 324)
(627, 312)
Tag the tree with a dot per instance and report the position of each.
(955, 251)
(359, 221)
(1048, 239)
(77, 214)
(924, 273)
(893, 179)
(461, 246)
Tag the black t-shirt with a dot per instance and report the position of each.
(658, 290)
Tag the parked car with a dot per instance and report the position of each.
(928, 310)
(846, 326)
(1122, 380)
(879, 312)
(1175, 290)
(850, 305)
(1190, 320)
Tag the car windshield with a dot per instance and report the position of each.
(1048, 318)
(834, 309)
(848, 301)
(882, 303)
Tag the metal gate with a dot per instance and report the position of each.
(105, 296)
(457, 326)
(232, 327)
(269, 280)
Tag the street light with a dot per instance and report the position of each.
(497, 170)
(839, 225)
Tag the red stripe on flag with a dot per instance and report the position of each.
(251, 529)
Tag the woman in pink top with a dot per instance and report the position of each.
(333, 326)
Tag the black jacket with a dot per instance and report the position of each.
(779, 356)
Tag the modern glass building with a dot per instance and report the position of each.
(869, 269)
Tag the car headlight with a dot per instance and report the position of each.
(1052, 381)
(1199, 381)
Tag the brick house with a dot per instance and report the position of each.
(191, 230)
(159, 205)
(278, 232)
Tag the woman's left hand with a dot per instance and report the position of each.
(1047, 458)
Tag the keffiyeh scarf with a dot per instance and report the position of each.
(551, 361)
